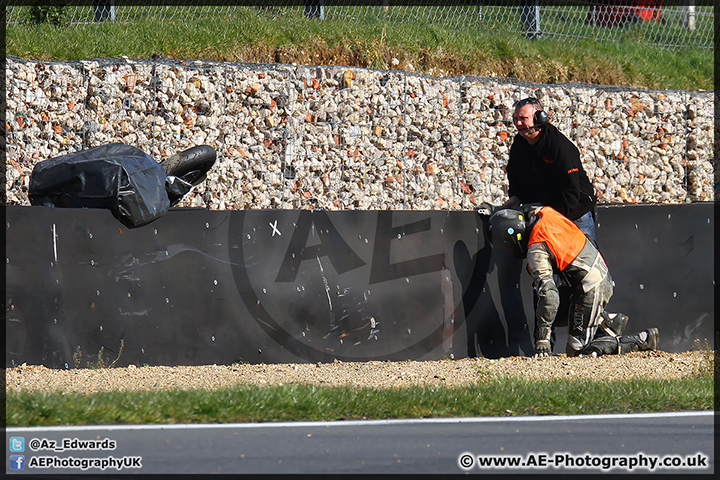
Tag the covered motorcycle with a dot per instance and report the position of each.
(121, 178)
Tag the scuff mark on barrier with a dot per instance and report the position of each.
(55, 256)
(689, 329)
(687, 246)
(162, 255)
(143, 313)
(327, 290)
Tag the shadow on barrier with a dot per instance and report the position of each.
(274, 286)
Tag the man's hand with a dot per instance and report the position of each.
(542, 348)
(485, 209)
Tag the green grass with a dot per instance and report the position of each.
(373, 43)
(295, 402)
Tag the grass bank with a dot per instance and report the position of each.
(298, 402)
(373, 43)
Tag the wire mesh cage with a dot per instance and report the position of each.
(339, 137)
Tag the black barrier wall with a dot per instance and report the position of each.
(202, 287)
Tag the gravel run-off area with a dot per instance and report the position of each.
(374, 374)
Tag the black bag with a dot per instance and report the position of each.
(118, 177)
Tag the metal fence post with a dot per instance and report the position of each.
(315, 9)
(687, 15)
(104, 10)
(530, 18)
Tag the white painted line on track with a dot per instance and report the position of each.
(347, 423)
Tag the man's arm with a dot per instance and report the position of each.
(565, 192)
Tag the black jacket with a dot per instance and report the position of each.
(550, 173)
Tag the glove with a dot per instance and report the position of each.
(486, 209)
(542, 348)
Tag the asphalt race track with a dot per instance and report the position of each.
(634, 443)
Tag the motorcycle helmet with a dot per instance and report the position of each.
(508, 231)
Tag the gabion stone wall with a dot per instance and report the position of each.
(348, 138)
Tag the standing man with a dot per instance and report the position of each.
(555, 245)
(545, 168)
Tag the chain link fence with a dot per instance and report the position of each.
(673, 25)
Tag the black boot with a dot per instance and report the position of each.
(613, 323)
(645, 340)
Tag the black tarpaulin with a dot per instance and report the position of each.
(118, 177)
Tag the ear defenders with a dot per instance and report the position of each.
(541, 119)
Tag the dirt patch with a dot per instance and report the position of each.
(375, 374)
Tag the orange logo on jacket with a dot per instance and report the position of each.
(572, 170)
(547, 160)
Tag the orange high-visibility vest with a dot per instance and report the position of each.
(562, 236)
